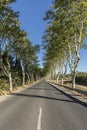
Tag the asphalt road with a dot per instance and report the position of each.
(42, 107)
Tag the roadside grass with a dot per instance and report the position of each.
(80, 90)
(4, 87)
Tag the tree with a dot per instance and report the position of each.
(8, 23)
(66, 31)
(17, 54)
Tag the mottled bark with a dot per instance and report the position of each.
(10, 81)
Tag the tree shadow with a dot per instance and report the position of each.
(42, 97)
(71, 96)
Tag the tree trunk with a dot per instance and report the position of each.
(28, 78)
(62, 74)
(62, 81)
(23, 76)
(23, 72)
(73, 81)
(58, 78)
(10, 81)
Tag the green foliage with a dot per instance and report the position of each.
(4, 85)
(18, 57)
(81, 78)
(65, 34)
(16, 73)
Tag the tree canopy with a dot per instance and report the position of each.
(65, 34)
(18, 56)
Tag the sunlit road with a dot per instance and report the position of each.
(42, 107)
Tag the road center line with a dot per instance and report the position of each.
(39, 119)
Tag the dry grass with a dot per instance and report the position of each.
(79, 87)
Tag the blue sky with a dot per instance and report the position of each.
(31, 18)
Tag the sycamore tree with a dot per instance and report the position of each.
(26, 53)
(8, 23)
(14, 43)
(56, 51)
(79, 10)
(21, 47)
(18, 57)
(68, 20)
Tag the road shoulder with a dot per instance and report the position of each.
(8, 95)
(71, 94)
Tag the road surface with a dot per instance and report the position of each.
(42, 107)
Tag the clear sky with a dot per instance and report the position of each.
(31, 18)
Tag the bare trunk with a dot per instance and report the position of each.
(62, 81)
(70, 58)
(58, 78)
(73, 82)
(62, 74)
(53, 77)
(10, 81)
(28, 78)
(23, 74)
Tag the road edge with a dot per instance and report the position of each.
(4, 97)
(78, 100)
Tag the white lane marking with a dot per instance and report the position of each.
(39, 119)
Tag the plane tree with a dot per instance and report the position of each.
(69, 19)
(15, 45)
(8, 24)
(56, 50)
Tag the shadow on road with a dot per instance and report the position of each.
(41, 97)
(52, 88)
(70, 96)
